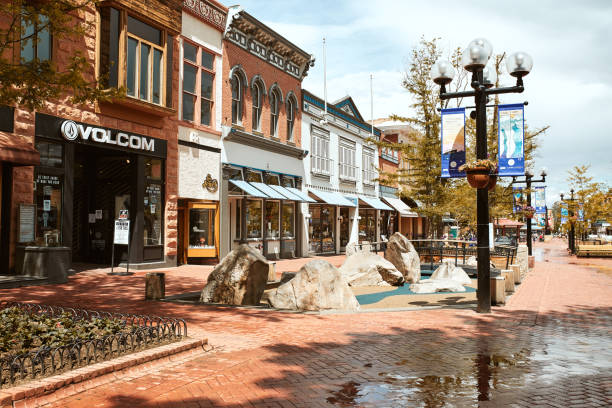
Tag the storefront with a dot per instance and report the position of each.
(407, 221)
(263, 208)
(87, 176)
(370, 209)
(330, 222)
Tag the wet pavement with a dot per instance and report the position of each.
(549, 346)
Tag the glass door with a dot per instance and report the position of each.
(202, 224)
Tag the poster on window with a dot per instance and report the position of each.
(452, 136)
(518, 200)
(511, 140)
(540, 199)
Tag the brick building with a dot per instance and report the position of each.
(96, 162)
(261, 125)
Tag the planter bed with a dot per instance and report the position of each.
(39, 340)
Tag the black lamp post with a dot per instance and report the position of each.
(570, 210)
(527, 181)
(474, 60)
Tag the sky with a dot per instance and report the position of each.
(568, 89)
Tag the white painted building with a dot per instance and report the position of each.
(340, 174)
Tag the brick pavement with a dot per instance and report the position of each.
(548, 347)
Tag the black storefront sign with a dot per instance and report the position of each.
(98, 136)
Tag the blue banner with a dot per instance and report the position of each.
(517, 199)
(511, 140)
(540, 199)
(581, 212)
(452, 141)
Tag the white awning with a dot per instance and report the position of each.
(284, 191)
(332, 198)
(270, 192)
(375, 203)
(303, 196)
(400, 206)
(248, 189)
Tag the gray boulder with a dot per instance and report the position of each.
(404, 257)
(318, 285)
(240, 278)
(368, 269)
(448, 270)
(437, 285)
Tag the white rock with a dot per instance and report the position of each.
(473, 261)
(403, 256)
(448, 270)
(369, 269)
(318, 285)
(437, 285)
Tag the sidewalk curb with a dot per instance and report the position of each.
(47, 390)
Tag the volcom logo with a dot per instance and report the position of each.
(70, 130)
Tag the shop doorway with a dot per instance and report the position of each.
(104, 184)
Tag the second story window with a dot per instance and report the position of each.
(274, 103)
(369, 169)
(257, 94)
(348, 170)
(290, 118)
(145, 56)
(236, 84)
(198, 83)
(35, 39)
(319, 152)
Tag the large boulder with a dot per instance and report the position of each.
(437, 285)
(240, 278)
(351, 248)
(448, 270)
(318, 285)
(368, 269)
(403, 256)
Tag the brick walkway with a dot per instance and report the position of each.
(550, 346)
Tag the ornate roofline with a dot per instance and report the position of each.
(251, 34)
(210, 12)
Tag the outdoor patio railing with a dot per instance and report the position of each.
(144, 331)
(438, 249)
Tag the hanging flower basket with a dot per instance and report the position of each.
(573, 219)
(481, 174)
(528, 212)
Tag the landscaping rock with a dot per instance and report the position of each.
(448, 270)
(403, 256)
(437, 285)
(368, 269)
(351, 249)
(240, 278)
(473, 261)
(318, 285)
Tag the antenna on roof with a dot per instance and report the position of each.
(324, 120)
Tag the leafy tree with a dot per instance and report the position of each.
(30, 83)
(594, 196)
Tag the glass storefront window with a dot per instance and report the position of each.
(253, 219)
(272, 179)
(252, 176)
(272, 219)
(287, 181)
(367, 225)
(201, 228)
(322, 229)
(51, 154)
(345, 232)
(153, 204)
(288, 220)
(48, 210)
(153, 169)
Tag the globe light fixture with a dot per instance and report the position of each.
(489, 76)
(442, 72)
(476, 55)
(519, 64)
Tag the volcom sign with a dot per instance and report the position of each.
(72, 130)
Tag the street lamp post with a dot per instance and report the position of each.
(474, 60)
(527, 181)
(570, 210)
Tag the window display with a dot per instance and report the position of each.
(288, 220)
(253, 219)
(272, 219)
(367, 225)
(48, 210)
(153, 214)
(201, 228)
(321, 229)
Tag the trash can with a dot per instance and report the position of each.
(155, 286)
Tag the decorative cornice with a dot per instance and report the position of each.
(245, 138)
(208, 12)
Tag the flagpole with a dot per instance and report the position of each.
(324, 79)
(371, 105)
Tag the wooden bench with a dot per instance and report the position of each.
(594, 250)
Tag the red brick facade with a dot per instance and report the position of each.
(128, 115)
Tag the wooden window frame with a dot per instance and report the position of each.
(197, 107)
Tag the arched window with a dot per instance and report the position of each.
(256, 93)
(290, 117)
(274, 113)
(236, 83)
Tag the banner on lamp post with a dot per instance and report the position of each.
(581, 212)
(452, 135)
(517, 199)
(540, 199)
(511, 140)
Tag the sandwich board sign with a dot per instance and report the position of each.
(121, 236)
